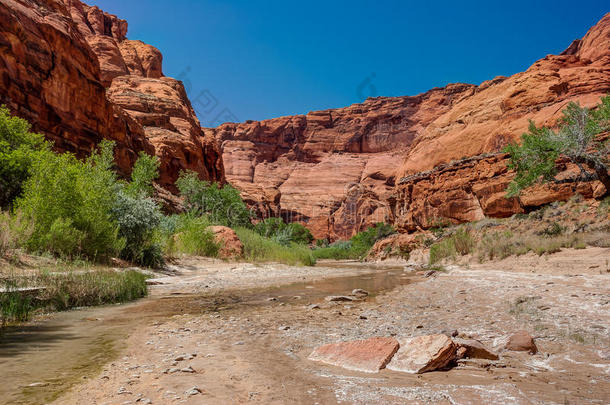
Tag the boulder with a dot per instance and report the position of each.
(521, 341)
(423, 353)
(230, 245)
(369, 356)
(474, 349)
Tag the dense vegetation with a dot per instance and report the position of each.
(357, 247)
(222, 205)
(19, 148)
(259, 248)
(282, 233)
(535, 158)
(59, 205)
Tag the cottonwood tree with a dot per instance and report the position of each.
(535, 158)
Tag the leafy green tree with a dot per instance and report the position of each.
(222, 205)
(145, 171)
(534, 160)
(18, 149)
(69, 202)
(138, 215)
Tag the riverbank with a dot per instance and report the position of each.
(35, 286)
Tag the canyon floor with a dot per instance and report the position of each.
(215, 332)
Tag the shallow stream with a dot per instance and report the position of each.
(42, 359)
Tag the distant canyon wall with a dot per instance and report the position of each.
(341, 170)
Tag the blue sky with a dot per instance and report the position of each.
(244, 60)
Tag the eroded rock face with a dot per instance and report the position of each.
(369, 356)
(162, 107)
(132, 71)
(57, 60)
(51, 77)
(472, 189)
(336, 170)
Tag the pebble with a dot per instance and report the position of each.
(360, 291)
(193, 391)
(38, 384)
(188, 369)
(339, 298)
(313, 306)
(283, 327)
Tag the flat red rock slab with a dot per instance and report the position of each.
(369, 356)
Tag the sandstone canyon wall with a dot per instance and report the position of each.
(343, 169)
(69, 69)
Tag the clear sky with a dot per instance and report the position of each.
(254, 59)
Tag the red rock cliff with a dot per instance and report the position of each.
(343, 169)
(70, 70)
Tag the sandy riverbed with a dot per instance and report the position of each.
(245, 332)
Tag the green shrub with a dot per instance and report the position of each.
(535, 158)
(442, 250)
(553, 229)
(144, 172)
(320, 243)
(340, 250)
(81, 194)
(191, 235)
(222, 205)
(138, 218)
(257, 248)
(19, 148)
(357, 247)
(282, 233)
(461, 242)
(364, 241)
(63, 239)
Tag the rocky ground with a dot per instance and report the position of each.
(235, 339)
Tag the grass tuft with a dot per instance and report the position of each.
(260, 249)
(62, 291)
